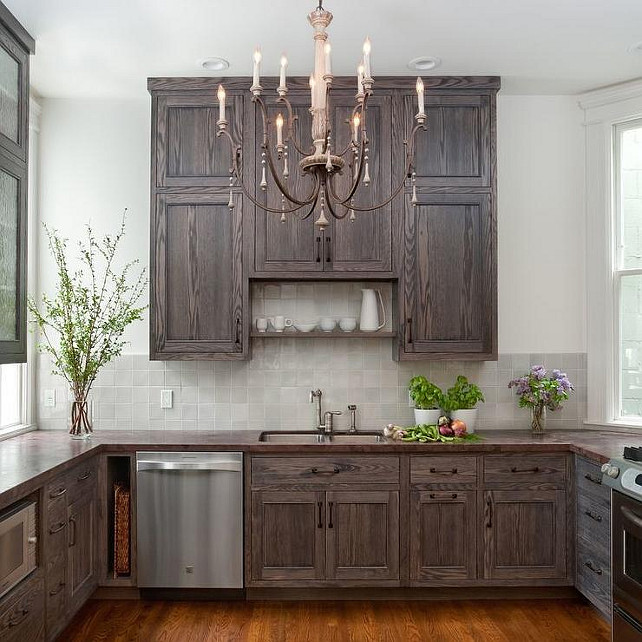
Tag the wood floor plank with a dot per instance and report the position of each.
(376, 621)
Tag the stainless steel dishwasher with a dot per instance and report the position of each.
(189, 519)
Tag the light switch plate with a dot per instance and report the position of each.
(50, 398)
(167, 399)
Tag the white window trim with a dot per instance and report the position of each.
(28, 382)
(603, 110)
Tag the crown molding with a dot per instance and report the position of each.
(611, 94)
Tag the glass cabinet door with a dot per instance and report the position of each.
(14, 96)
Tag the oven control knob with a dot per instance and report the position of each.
(610, 470)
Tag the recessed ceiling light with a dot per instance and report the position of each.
(424, 63)
(214, 64)
(636, 47)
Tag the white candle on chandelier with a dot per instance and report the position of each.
(360, 79)
(221, 102)
(313, 82)
(328, 62)
(366, 58)
(279, 130)
(256, 77)
(420, 97)
(356, 122)
(284, 64)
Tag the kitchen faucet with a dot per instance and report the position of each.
(324, 420)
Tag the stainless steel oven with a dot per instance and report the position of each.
(627, 568)
(17, 544)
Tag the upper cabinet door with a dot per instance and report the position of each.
(455, 150)
(197, 278)
(365, 244)
(295, 244)
(449, 278)
(14, 96)
(188, 151)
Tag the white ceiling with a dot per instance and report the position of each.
(109, 47)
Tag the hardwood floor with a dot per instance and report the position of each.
(461, 621)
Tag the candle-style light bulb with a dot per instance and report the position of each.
(279, 130)
(221, 102)
(312, 82)
(366, 58)
(282, 80)
(256, 76)
(420, 97)
(328, 59)
(356, 122)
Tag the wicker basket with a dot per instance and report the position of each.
(122, 499)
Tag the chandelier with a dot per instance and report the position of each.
(322, 161)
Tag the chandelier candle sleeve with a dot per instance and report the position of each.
(420, 97)
(279, 131)
(282, 80)
(360, 80)
(221, 103)
(256, 75)
(366, 58)
(356, 122)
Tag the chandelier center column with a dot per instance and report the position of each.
(319, 19)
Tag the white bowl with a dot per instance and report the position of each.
(327, 324)
(348, 324)
(305, 327)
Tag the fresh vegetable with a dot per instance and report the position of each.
(446, 430)
(425, 433)
(458, 427)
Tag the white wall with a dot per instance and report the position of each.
(541, 226)
(95, 162)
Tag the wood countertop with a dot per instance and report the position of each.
(27, 461)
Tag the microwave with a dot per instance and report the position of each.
(17, 544)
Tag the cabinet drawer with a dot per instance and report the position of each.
(56, 594)
(525, 470)
(594, 523)
(22, 612)
(443, 470)
(588, 479)
(594, 575)
(325, 471)
(56, 524)
(81, 480)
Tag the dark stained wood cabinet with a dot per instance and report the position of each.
(199, 292)
(443, 536)
(22, 612)
(15, 47)
(82, 554)
(524, 534)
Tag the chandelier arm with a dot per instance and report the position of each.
(358, 108)
(357, 179)
(314, 204)
(328, 202)
(291, 120)
(312, 199)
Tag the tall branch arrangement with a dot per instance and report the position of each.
(83, 323)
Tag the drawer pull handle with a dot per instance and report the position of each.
(22, 614)
(452, 471)
(72, 532)
(318, 240)
(320, 508)
(514, 469)
(489, 511)
(61, 585)
(330, 507)
(593, 478)
(452, 496)
(592, 515)
(57, 493)
(57, 528)
(87, 475)
(315, 471)
(591, 567)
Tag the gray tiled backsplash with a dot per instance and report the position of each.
(271, 390)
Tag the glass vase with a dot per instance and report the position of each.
(538, 419)
(81, 419)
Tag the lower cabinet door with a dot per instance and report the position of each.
(362, 535)
(288, 535)
(524, 534)
(81, 555)
(443, 536)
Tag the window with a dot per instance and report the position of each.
(627, 269)
(12, 404)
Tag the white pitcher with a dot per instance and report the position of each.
(369, 320)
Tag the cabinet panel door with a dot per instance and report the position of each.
(443, 535)
(197, 272)
(294, 244)
(524, 534)
(14, 96)
(288, 535)
(364, 244)
(449, 277)
(188, 152)
(455, 149)
(362, 535)
(13, 260)
(81, 556)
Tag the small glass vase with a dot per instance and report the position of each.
(538, 419)
(81, 419)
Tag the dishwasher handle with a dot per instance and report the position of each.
(223, 466)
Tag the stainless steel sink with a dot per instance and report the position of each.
(315, 437)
